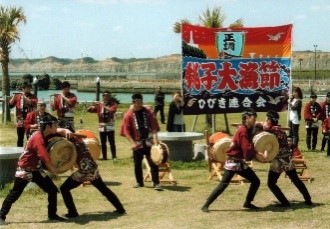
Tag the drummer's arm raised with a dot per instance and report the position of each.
(64, 132)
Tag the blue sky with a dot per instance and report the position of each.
(143, 28)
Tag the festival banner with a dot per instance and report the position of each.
(227, 70)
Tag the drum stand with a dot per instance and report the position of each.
(301, 168)
(165, 175)
(216, 168)
(216, 171)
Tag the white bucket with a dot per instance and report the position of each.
(200, 152)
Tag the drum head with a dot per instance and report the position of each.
(63, 153)
(220, 148)
(266, 141)
(159, 153)
(94, 147)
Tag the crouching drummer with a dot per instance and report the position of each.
(87, 171)
(29, 169)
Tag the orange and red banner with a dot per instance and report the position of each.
(226, 70)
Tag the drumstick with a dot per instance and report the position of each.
(208, 150)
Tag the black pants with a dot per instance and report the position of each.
(294, 133)
(45, 183)
(110, 136)
(138, 157)
(20, 136)
(326, 142)
(227, 176)
(311, 137)
(160, 108)
(98, 183)
(292, 174)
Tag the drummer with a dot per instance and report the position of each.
(241, 149)
(64, 103)
(32, 121)
(283, 163)
(87, 172)
(138, 125)
(24, 102)
(106, 116)
(29, 169)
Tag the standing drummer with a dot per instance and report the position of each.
(64, 103)
(138, 125)
(283, 163)
(29, 169)
(106, 115)
(241, 150)
(24, 102)
(33, 118)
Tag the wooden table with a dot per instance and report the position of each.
(8, 163)
(180, 144)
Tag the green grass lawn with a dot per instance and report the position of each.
(178, 206)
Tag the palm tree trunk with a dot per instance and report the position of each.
(5, 90)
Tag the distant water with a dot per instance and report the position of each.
(90, 97)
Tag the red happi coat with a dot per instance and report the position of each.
(242, 146)
(62, 107)
(22, 109)
(106, 118)
(128, 127)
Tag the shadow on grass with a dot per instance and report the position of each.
(177, 188)
(86, 218)
(294, 206)
(112, 183)
(94, 217)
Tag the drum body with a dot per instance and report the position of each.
(219, 149)
(92, 143)
(94, 147)
(266, 141)
(159, 153)
(62, 152)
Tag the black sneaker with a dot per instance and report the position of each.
(309, 202)
(250, 206)
(2, 222)
(158, 187)
(205, 209)
(138, 185)
(71, 215)
(120, 212)
(56, 217)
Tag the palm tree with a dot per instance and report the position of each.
(177, 25)
(10, 18)
(211, 19)
(237, 24)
